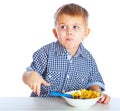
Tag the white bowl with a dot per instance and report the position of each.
(81, 103)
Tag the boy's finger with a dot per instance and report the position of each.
(45, 83)
(34, 89)
(101, 100)
(38, 90)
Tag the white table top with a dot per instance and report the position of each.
(50, 104)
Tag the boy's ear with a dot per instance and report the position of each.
(87, 31)
(55, 33)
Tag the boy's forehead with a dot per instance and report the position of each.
(65, 18)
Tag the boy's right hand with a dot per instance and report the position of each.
(34, 82)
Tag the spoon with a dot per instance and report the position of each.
(60, 94)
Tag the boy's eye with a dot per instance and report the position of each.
(63, 27)
(75, 27)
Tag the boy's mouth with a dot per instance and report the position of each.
(69, 39)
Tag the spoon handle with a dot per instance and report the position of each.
(60, 94)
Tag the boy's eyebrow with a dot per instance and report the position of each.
(71, 25)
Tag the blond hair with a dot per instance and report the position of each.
(72, 10)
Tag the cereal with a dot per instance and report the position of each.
(85, 94)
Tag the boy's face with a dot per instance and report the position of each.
(70, 31)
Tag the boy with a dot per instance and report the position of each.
(65, 65)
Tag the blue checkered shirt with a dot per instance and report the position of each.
(64, 72)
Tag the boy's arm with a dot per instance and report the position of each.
(95, 88)
(34, 81)
(105, 98)
(28, 75)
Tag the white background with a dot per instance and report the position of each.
(26, 25)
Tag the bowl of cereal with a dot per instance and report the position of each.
(83, 99)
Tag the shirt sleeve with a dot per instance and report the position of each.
(95, 77)
(39, 62)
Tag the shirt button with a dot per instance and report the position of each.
(82, 80)
(68, 57)
(49, 76)
(67, 76)
(63, 91)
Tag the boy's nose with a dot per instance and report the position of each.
(69, 31)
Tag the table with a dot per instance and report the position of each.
(50, 104)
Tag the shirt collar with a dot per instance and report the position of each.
(81, 51)
(60, 50)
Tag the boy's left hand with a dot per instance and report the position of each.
(105, 99)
